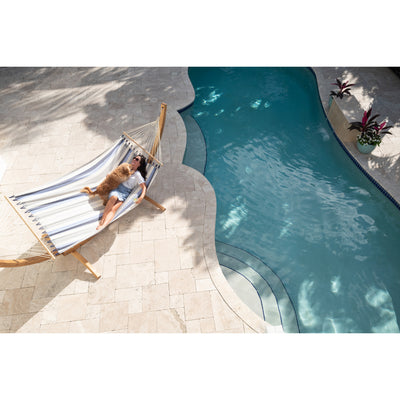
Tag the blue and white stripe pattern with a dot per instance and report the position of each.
(65, 216)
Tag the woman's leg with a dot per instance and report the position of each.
(111, 208)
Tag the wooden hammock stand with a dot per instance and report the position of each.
(37, 259)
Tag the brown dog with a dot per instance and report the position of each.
(111, 181)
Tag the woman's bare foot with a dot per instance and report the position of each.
(100, 226)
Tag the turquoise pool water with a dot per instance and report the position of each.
(289, 195)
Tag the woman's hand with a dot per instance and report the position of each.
(144, 189)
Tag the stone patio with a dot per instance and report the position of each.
(159, 271)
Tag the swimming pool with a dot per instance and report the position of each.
(289, 197)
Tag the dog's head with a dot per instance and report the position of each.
(123, 171)
(126, 169)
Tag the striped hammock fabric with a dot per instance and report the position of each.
(63, 215)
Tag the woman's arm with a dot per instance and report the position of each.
(144, 189)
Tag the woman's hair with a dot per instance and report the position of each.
(142, 166)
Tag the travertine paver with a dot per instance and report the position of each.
(159, 270)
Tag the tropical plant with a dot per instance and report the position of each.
(344, 88)
(370, 131)
(382, 128)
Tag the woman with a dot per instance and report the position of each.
(120, 194)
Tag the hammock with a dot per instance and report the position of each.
(62, 218)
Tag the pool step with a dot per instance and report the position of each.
(251, 288)
(196, 152)
(274, 304)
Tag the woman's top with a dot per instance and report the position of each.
(133, 180)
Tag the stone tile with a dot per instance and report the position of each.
(15, 278)
(114, 316)
(123, 259)
(85, 326)
(103, 291)
(155, 297)
(176, 301)
(52, 284)
(30, 277)
(197, 305)
(181, 282)
(142, 252)
(16, 301)
(193, 326)
(166, 254)
(196, 213)
(176, 218)
(70, 287)
(71, 308)
(207, 325)
(192, 258)
(145, 322)
(120, 244)
(81, 286)
(60, 327)
(128, 294)
(169, 321)
(135, 306)
(5, 273)
(204, 284)
(25, 323)
(190, 237)
(154, 230)
(110, 266)
(247, 329)
(67, 263)
(49, 314)
(135, 275)
(40, 304)
(233, 330)
(93, 311)
(5, 323)
(225, 318)
(161, 277)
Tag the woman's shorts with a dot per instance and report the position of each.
(122, 192)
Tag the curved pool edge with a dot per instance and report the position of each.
(337, 117)
(222, 285)
(233, 301)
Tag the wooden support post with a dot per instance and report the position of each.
(161, 123)
(85, 262)
(163, 114)
(150, 200)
